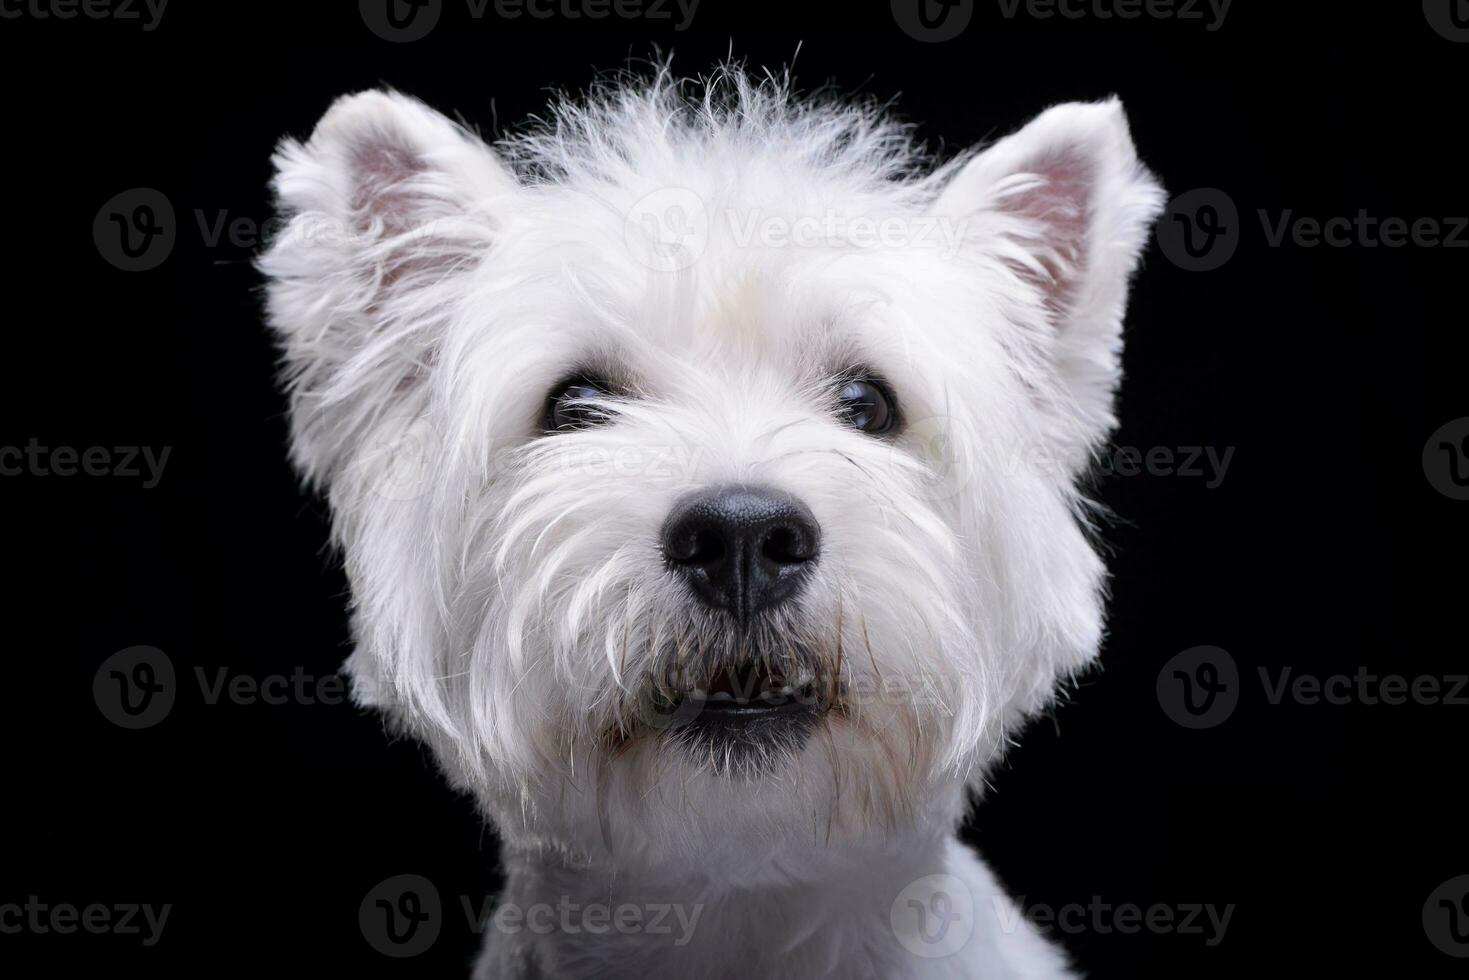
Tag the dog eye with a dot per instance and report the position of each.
(866, 405)
(572, 405)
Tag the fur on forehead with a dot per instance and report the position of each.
(744, 150)
(727, 132)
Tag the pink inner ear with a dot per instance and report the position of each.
(381, 200)
(395, 218)
(1059, 202)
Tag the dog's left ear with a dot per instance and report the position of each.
(1065, 206)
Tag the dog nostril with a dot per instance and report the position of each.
(708, 548)
(695, 546)
(785, 546)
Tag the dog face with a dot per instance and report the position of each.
(705, 471)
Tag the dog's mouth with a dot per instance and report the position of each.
(753, 691)
(740, 714)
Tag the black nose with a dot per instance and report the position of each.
(742, 549)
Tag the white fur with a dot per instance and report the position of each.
(510, 603)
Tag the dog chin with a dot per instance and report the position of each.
(745, 737)
(741, 801)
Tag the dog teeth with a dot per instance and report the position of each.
(721, 696)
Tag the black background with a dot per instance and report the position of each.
(1325, 548)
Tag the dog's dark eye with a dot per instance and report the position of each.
(866, 405)
(574, 405)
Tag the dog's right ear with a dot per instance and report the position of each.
(387, 211)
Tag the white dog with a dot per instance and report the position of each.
(704, 463)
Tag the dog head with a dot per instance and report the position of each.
(705, 467)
